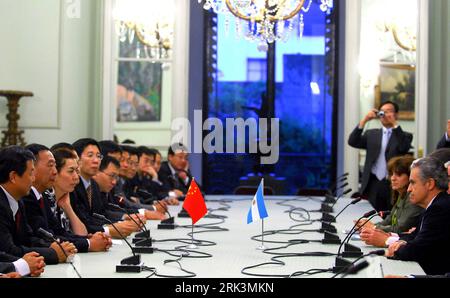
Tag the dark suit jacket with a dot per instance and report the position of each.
(430, 243)
(6, 263)
(40, 215)
(157, 191)
(443, 143)
(399, 144)
(80, 205)
(171, 182)
(20, 241)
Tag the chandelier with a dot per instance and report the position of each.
(151, 22)
(265, 21)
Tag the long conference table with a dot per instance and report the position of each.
(234, 249)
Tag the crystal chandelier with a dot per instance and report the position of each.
(265, 21)
(151, 22)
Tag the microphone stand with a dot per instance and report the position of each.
(166, 224)
(340, 261)
(130, 264)
(50, 236)
(328, 226)
(347, 269)
(144, 235)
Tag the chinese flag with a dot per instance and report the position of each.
(194, 203)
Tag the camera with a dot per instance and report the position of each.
(381, 114)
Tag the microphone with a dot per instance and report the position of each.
(366, 215)
(336, 188)
(326, 209)
(145, 232)
(369, 215)
(339, 179)
(330, 197)
(166, 224)
(354, 269)
(343, 265)
(130, 264)
(345, 193)
(145, 195)
(354, 202)
(50, 236)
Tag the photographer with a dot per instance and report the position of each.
(381, 145)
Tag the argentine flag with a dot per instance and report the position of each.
(258, 209)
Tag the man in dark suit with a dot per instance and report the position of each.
(147, 178)
(381, 145)
(429, 244)
(16, 236)
(42, 209)
(174, 173)
(445, 141)
(107, 179)
(86, 199)
(30, 264)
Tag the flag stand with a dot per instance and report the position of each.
(192, 245)
(262, 247)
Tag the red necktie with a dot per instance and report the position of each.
(41, 203)
(18, 219)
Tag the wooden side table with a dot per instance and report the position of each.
(13, 136)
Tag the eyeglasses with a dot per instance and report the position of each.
(133, 163)
(112, 176)
(92, 156)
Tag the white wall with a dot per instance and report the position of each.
(55, 56)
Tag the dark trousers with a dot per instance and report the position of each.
(379, 193)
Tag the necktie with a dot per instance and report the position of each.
(18, 219)
(380, 167)
(89, 195)
(41, 203)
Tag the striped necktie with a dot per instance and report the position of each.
(89, 195)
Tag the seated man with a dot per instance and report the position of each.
(158, 187)
(107, 179)
(147, 178)
(86, 198)
(174, 173)
(120, 194)
(30, 264)
(430, 242)
(16, 236)
(41, 206)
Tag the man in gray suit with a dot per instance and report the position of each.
(381, 145)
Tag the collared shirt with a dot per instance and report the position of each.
(86, 183)
(13, 204)
(174, 173)
(172, 170)
(447, 138)
(36, 193)
(431, 202)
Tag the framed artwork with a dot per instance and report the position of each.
(397, 83)
(139, 92)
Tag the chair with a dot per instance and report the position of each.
(311, 192)
(251, 190)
